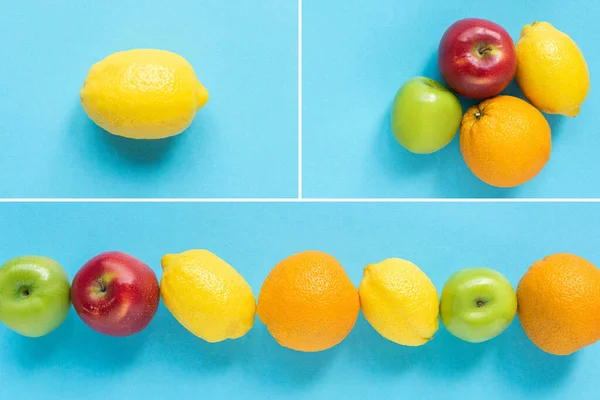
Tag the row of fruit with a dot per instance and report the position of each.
(505, 141)
(307, 301)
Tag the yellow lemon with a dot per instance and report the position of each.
(207, 296)
(400, 302)
(551, 70)
(143, 94)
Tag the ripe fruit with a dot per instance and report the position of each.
(207, 296)
(425, 116)
(477, 304)
(400, 302)
(34, 295)
(308, 303)
(559, 303)
(505, 141)
(143, 94)
(115, 294)
(477, 58)
(552, 72)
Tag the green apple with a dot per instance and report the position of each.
(34, 295)
(425, 116)
(477, 304)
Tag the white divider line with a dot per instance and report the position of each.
(294, 200)
(299, 99)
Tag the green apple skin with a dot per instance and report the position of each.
(477, 304)
(34, 295)
(425, 116)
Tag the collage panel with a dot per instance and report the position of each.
(145, 71)
(374, 128)
(302, 264)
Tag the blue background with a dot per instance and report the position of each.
(242, 144)
(357, 54)
(165, 361)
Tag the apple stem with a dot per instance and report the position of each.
(24, 290)
(480, 303)
(483, 49)
(102, 286)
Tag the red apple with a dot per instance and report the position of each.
(115, 294)
(477, 58)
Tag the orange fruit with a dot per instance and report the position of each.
(308, 303)
(559, 303)
(505, 141)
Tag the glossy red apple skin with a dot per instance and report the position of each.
(115, 294)
(477, 58)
